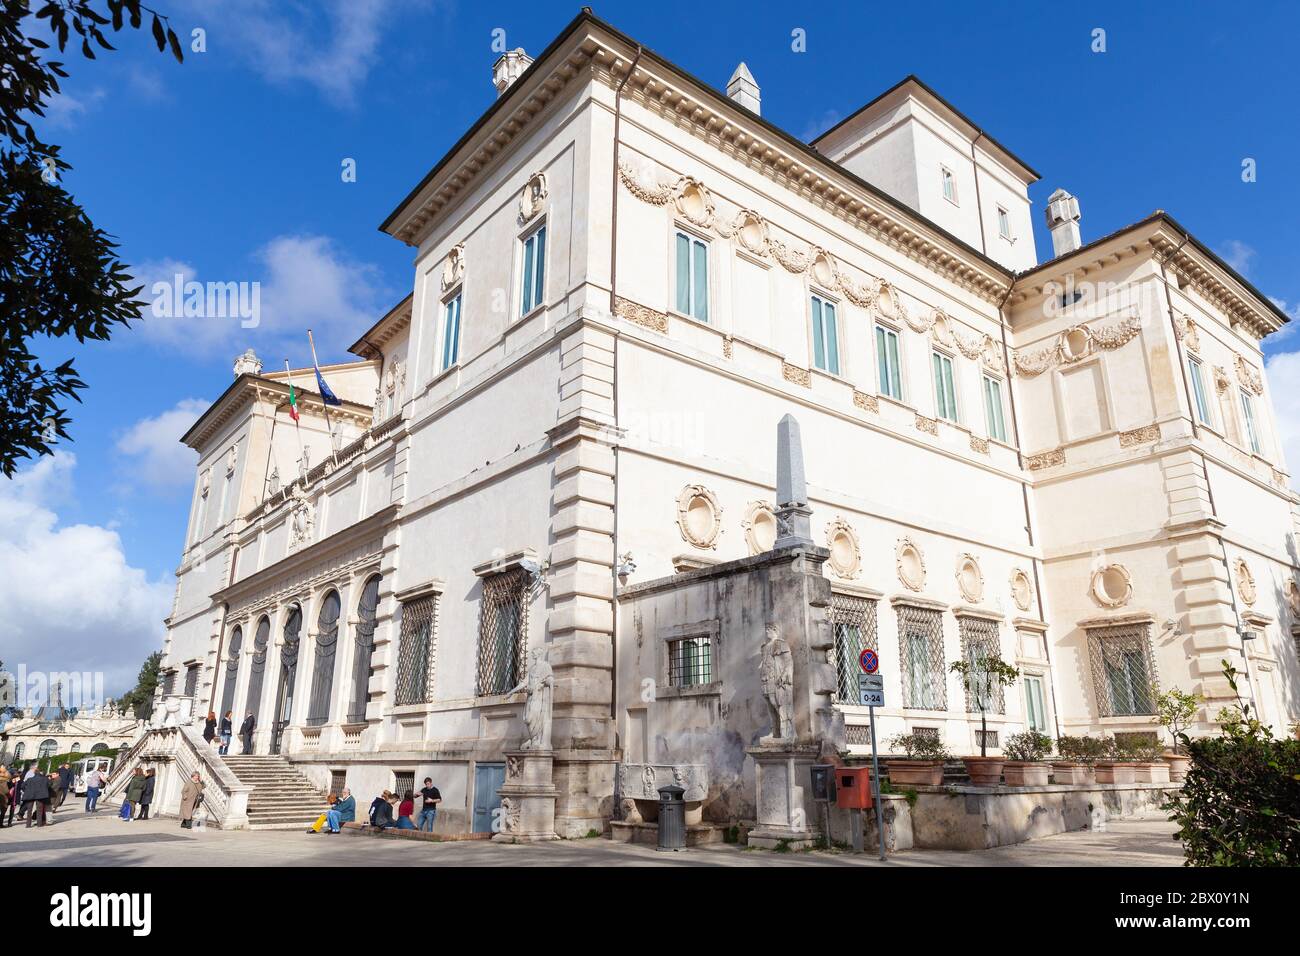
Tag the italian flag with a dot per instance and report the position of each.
(293, 402)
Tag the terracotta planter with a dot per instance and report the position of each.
(984, 771)
(1026, 773)
(1071, 774)
(1151, 772)
(1178, 766)
(1114, 771)
(924, 773)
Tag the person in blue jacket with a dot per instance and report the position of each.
(343, 811)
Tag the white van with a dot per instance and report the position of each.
(82, 767)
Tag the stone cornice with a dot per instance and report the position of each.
(396, 321)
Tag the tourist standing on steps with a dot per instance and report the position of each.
(146, 797)
(225, 731)
(343, 811)
(210, 727)
(134, 791)
(246, 732)
(429, 808)
(190, 797)
(36, 795)
(94, 783)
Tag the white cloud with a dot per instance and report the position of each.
(1238, 255)
(1284, 388)
(64, 110)
(72, 601)
(158, 457)
(302, 282)
(331, 46)
(820, 124)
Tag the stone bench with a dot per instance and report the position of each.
(392, 833)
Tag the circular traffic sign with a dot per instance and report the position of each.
(869, 661)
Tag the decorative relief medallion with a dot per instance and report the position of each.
(1112, 585)
(1248, 375)
(910, 564)
(793, 373)
(1022, 589)
(699, 517)
(1139, 436)
(1186, 332)
(693, 201)
(1075, 344)
(1291, 590)
(970, 579)
(1048, 459)
(533, 198)
(453, 268)
(846, 554)
(642, 315)
(823, 269)
(759, 526)
(928, 425)
(1221, 381)
(868, 403)
(980, 445)
(1246, 589)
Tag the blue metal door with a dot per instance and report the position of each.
(488, 779)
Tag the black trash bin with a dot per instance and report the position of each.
(672, 818)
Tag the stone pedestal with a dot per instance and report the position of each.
(528, 798)
(783, 801)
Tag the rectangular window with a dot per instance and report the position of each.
(534, 271)
(826, 347)
(1004, 223)
(690, 662)
(980, 641)
(692, 276)
(854, 622)
(415, 651)
(891, 381)
(503, 631)
(1197, 378)
(1248, 416)
(993, 408)
(1123, 673)
(949, 185)
(920, 638)
(403, 783)
(338, 781)
(945, 395)
(1035, 712)
(451, 332)
(191, 679)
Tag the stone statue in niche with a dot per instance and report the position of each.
(302, 520)
(539, 682)
(776, 675)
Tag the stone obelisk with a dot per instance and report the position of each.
(793, 516)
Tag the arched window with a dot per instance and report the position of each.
(288, 676)
(322, 676)
(76, 748)
(232, 670)
(257, 668)
(48, 748)
(98, 748)
(364, 637)
(19, 750)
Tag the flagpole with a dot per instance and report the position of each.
(324, 404)
(296, 428)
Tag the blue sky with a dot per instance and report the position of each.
(227, 168)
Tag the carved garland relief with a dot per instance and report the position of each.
(1248, 375)
(454, 266)
(1075, 344)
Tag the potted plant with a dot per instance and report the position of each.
(980, 675)
(1149, 765)
(1116, 765)
(1174, 711)
(1078, 754)
(922, 761)
(1025, 766)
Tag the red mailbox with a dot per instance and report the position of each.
(853, 788)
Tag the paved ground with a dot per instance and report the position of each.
(102, 840)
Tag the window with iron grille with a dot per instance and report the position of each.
(690, 661)
(1123, 669)
(920, 640)
(169, 681)
(191, 680)
(858, 735)
(503, 631)
(415, 651)
(403, 782)
(853, 620)
(364, 639)
(980, 640)
(338, 780)
(990, 738)
(930, 733)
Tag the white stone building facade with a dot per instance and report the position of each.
(623, 280)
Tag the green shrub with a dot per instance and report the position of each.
(1029, 746)
(919, 746)
(1081, 749)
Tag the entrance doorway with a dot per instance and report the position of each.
(288, 678)
(488, 779)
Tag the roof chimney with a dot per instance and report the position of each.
(1063, 222)
(509, 67)
(742, 88)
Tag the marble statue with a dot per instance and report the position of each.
(539, 682)
(776, 674)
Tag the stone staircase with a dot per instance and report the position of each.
(282, 798)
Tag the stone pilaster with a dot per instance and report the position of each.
(581, 615)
